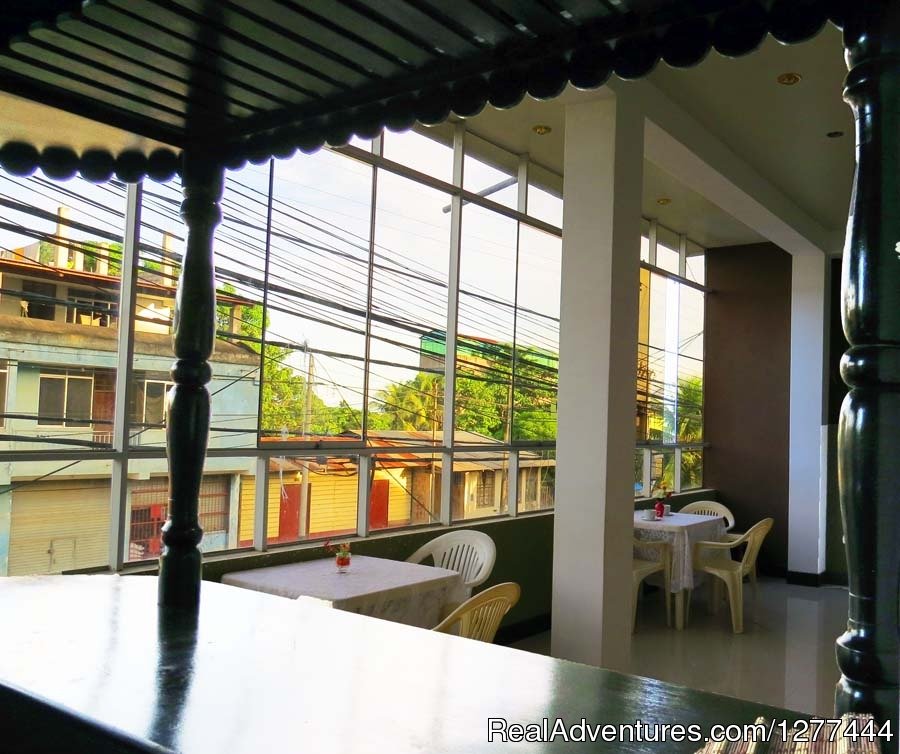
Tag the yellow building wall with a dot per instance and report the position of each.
(248, 508)
(398, 497)
(71, 517)
(333, 502)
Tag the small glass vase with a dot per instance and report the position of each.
(342, 562)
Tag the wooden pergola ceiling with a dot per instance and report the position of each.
(250, 79)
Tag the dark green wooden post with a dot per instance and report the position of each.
(187, 425)
(869, 433)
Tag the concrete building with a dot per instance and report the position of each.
(58, 359)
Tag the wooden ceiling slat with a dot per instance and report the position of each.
(17, 17)
(301, 71)
(361, 38)
(481, 17)
(585, 11)
(164, 61)
(124, 85)
(278, 91)
(380, 34)
(427, 30)
(252, 56)
(619, 8)
(534, 15)
(247, 25)
(67, 81)
(177, 87)
(306, 25)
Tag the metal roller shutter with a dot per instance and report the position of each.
(58, 526)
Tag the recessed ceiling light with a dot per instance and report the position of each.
(541, 130)
(663, 201)
(835, 134)
(789, 79)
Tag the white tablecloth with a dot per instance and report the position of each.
(394, 590)
(681, 530)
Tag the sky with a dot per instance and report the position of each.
(319, 251)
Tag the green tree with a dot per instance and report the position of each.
(284, 398)
(93, 252)
(690, 410)
(46, 253)
(283, 386)
(534, 415)
(482, 405)
(688, 423)
(482, 397)
(339, 419)
(411, 405)
(251, 322)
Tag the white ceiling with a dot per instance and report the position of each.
(779, 130)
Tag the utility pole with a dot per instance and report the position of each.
(307, 420)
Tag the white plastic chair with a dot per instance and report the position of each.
(641, 569)
(479, 617)
(730, 571)
(470, 553)
(711, 508)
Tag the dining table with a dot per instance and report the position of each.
(394, 590)
(681, 531)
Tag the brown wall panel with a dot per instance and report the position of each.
(747, 419)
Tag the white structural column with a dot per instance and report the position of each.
(119, 510)
(5, 516)
(598, 347)
(808, 436)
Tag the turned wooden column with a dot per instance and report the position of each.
(187, 425)
(869, 432)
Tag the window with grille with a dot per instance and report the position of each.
(484, 492)
(148, 406)
(65, 399)
(150, 509)
(87, 308)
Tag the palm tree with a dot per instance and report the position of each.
(687, 418)
(412, 405)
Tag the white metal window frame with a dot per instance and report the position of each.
(80, 301)
(166, 386)
(648, 448)
(63, 413)
(121, 451)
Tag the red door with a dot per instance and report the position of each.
(102, 415)
(378, 504)
(289, 513)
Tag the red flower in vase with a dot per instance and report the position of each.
(341, 553)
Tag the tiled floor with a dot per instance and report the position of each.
(785, 657)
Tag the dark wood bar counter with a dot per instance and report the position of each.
(86, 666)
